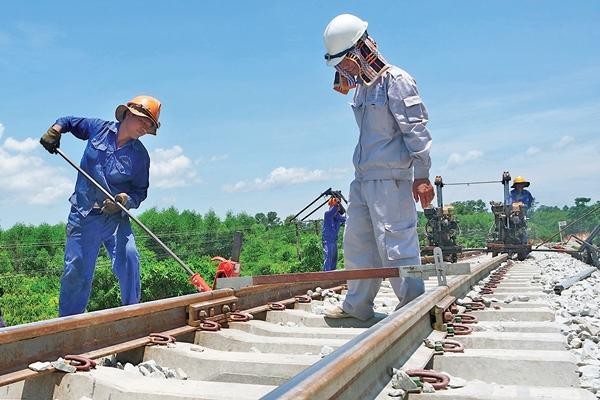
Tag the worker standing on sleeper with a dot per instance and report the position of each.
(391, 162)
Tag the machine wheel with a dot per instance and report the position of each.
(454, 257)
(522, 255)
(494, 254)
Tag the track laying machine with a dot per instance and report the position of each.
(509, 233)
(442, 228)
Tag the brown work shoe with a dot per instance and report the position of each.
(336, 312)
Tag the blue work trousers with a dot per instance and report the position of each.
(329, 254)
(85, 235)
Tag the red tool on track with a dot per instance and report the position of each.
(225, 269)
(195, 277)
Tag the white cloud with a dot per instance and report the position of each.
(170, 168)
(1, 129)
(563, 142)
(22, 146)
(531, 151)
(457, 159)
(282, 176)
(27, 179)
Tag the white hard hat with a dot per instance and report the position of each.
(340, 35)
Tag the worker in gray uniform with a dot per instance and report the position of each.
(391, 162)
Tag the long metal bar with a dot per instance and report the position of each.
(340, 372)
(567, 283)
(126, 211)
(423, 271)
(314, 211)
(310, 204)
(470, 183)
(486, 250)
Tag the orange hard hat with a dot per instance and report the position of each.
(333, 201)
(142, 106)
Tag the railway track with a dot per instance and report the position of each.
(289, 351)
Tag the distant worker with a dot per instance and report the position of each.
(520, 194)
(116, 158)
(392, 150)
(2, 323)
(333, 219)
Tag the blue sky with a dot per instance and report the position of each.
(249, 120)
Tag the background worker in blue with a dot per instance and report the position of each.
(2, 323)
(520, 194)
(117, 160)
(332, 220)
(391, 162)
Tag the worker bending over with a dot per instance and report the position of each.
(391, 162)
(116, 158)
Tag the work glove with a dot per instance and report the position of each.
(51, 140)
(109, 207)
(423, 191)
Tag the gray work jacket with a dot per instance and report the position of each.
(393, 137)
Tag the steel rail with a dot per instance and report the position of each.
(360, 368)
(105, 332)
(113, 331)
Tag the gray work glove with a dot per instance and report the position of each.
(109, 207)
(51, 140)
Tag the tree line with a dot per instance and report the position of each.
(31, 257)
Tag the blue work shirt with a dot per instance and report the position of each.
(523, 196)
(332, 221)
(119, 170)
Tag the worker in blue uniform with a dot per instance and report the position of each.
(391, 162)
(332, 220)
(519, 193)
(116, 158)
(2, 323)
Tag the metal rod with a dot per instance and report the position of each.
(122, 207)
(314, 211)
(311, 203)
(422, 271)
(470, 183)
(568, 225)
(567, 283)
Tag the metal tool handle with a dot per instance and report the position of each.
(123, 208)
(311, 203)
(314, 211)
